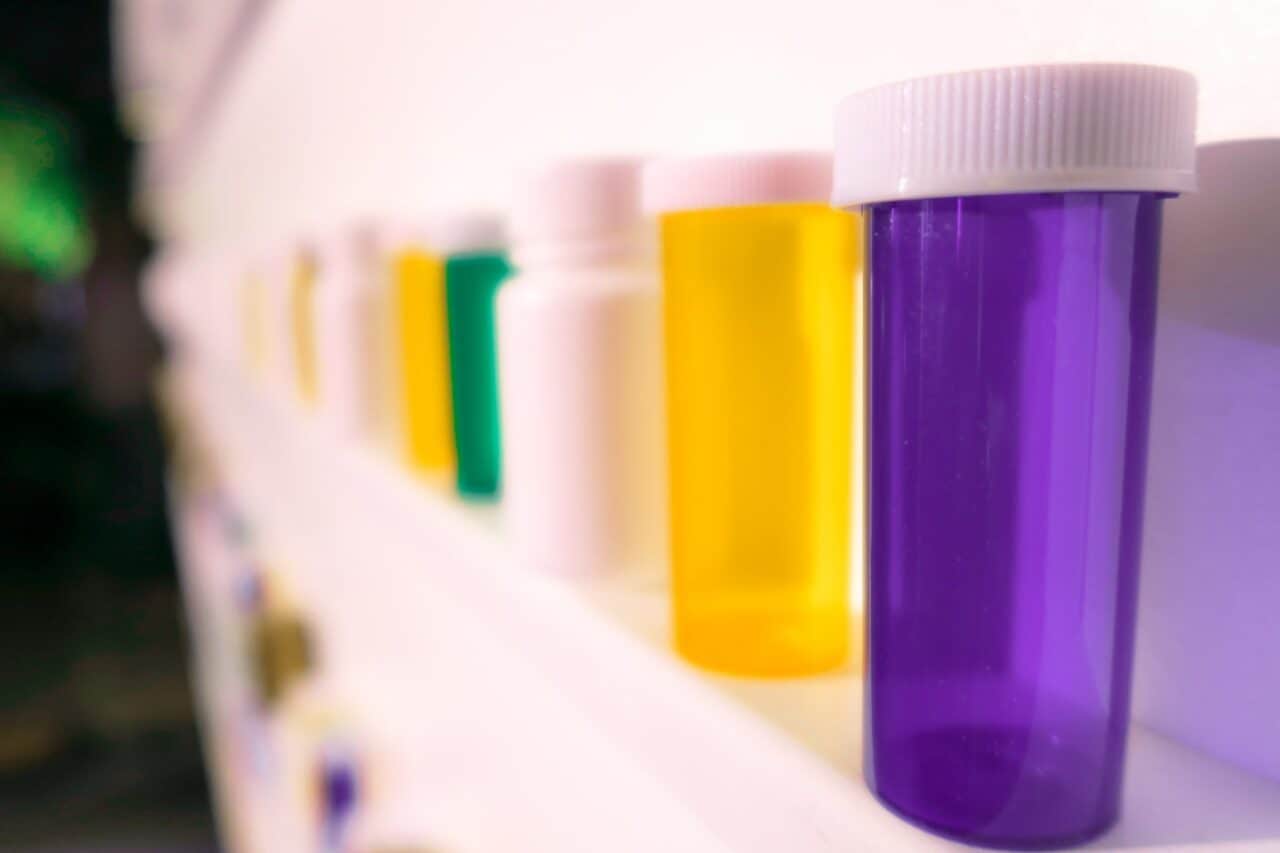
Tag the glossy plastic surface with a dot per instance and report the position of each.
(302, 316)
(343, 318)
(385, 379)
(1010, 372)
(758, 326)
(254, 325)
(471, 286)
(423, 363)
(581, 370)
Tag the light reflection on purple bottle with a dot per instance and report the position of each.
(1013, 223)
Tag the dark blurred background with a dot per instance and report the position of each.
(98, 747)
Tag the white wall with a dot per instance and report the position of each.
(407, 105)
(164, 51)
(342, 108)
(1209, 628)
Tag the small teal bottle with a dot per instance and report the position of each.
(475, 268)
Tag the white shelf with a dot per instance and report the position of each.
(551, 715)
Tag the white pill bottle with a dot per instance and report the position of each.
(580, 374)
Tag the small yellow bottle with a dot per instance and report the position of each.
(253, 323)
(758, 317)
(381, 344)
(277, 286)
(420, 328)
(302, 313)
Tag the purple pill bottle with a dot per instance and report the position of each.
(1013, 224)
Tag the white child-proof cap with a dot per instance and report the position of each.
(470, 231)
(1035, 128)
(736, 180)
(583, 209)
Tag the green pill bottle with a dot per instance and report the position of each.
(475, 266)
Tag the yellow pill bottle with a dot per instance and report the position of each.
(420, 334)
(253, 323)
(758, 281)
(302, 299)
(380, 345)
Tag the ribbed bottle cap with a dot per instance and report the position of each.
(578, 198)
(581, 210)
(1035, 128)
(734, 180)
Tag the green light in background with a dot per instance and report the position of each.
(42, 223)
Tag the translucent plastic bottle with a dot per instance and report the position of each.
(302, 282)
(278, 285)
(341, 309)
(421, 328)
(581, 377)
(255, 340)
(1014, 229)
(758, 275)
(385, 380)
(474, 249)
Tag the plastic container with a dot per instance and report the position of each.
(337, 779)
(280, 350)
(385, 380)
(420, 362)
(254, 337)
(758, 276)
(302, 285)
(341, 317)
(474, 249)
(581, 376)
(1011, 315)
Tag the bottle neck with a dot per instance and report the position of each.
(634, 250)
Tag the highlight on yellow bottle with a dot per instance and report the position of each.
(758, 303)
(302, 314)
(423, 359)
